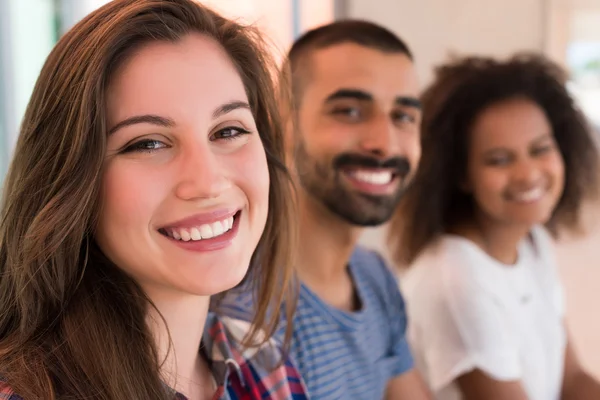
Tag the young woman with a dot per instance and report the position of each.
(508, 161)
(147, 178)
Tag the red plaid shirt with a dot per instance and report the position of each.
(240, 375)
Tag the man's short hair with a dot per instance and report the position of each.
(359, 32)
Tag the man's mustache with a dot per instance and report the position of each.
(398, 165)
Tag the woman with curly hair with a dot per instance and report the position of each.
(508, 161)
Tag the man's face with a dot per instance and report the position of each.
(358, 142)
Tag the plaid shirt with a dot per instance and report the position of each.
(240, 375)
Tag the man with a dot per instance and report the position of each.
(353, 151)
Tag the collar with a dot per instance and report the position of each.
(219, 348)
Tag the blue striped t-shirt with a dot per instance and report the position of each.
(346, 355)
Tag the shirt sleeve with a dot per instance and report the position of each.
(400, 355)
(464, 327)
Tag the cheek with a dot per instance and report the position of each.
(556, 168)
(323, 146)
(488, 186)
(414, 151)
(131, 194)
(328, 136)
(251, 174)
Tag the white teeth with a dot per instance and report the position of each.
(218, 228)
(185, 235)
(204, 231)
(195, 234)
(530, 195)
(375, 178)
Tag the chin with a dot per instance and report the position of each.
(210, 280)
(210, 287)
(530, 220)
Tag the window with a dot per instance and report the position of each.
(27, 34)
(583, 59)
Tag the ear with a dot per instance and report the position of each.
(288, 127)
(287, 113)
(285, 95)
(289, 132)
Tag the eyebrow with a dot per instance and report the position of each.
(229, 107)
(540, 139)
(169, 123)
(408, 101)
(143, 119)
(361, 95)
(355, 94)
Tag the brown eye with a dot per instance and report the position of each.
(402, 117)
(498, 161)
(542, 150)
(347, 113)
(229, 133)
(146, 145)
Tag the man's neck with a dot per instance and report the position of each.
(326, 245)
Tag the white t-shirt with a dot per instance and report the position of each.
(468, 311)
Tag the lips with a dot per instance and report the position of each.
(204, 233)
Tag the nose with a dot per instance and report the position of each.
(200, 173)
(380, 138)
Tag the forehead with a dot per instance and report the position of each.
(349, 65)
(174, 78)
(509, 124)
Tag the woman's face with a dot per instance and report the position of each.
(515, 170)
(186, 182)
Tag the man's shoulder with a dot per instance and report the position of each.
(372, 274)
(238, 303)
(365, 261)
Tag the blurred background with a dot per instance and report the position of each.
(568, 31)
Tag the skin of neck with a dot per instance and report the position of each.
(326, 240)
(325, 247)
(500, 240)
(178, 339)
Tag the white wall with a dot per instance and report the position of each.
(72, 11)
(585, 25)
(276, 17)
(580, 263)
(436, 28)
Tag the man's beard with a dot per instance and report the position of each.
(324, 182)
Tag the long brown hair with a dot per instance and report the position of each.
(462, 89)
(72, 325)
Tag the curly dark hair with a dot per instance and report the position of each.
(461, 91)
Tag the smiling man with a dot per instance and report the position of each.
(353, 151)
